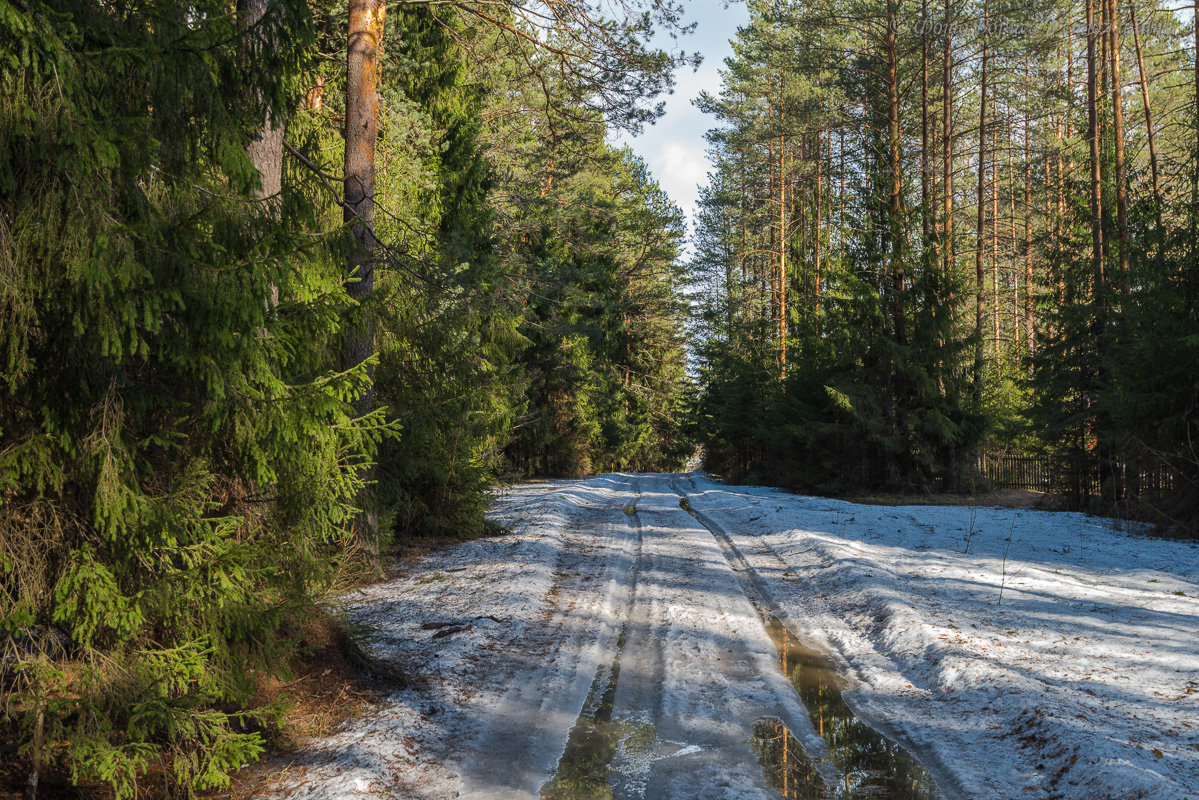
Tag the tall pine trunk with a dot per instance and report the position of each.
(1117, 87)
(898, 466)
(819, 232)
(995, 231)
(1144, 80)
(782, 250)
(980, 296)
(362, 119)
(1029, 331)
(925, 161)
(1093, 140)
(947, 138)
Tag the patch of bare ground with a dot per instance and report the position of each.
(332, 682)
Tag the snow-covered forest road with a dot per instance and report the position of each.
(1014, 653)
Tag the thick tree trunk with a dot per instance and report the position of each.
(898, 462)
(925, 162)
(841, 195)
(266, 148)
(995, 350)
(980, 297)
(1101, 88)
(773, 239)
(894, 143)
(1066, 162)
(362, 117)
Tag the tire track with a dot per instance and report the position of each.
(518, 751)
(756, 588)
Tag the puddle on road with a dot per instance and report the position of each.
(585, 769)
(871, 765)
(786, 765)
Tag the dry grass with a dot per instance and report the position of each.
(332, 683)
(1001, 498)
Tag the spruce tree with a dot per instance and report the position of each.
(172, 444)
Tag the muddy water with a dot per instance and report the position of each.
(871, 765)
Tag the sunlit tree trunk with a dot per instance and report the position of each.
(995, 230)
(1093, 140)
(980, 297)
(782, 250)
(1117, 87)
(1149, 133)
(362, 118)
(925, 154)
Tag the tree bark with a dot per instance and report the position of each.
(774, 249)
(362, 119)
(925, 163)
(897, 462)
(980, 298)
(1117, 85)
(995, 351)
(819, 233)
(266, 148)
(947, 139)
(1136, 39)
(782, 251)
(1093, 139)
(895, 222)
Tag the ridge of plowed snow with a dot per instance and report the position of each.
(1082, 683)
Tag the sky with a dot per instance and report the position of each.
(674, 147)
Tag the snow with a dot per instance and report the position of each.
(1021, 653)
(1016, 653)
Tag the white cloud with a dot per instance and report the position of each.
(680, 167)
